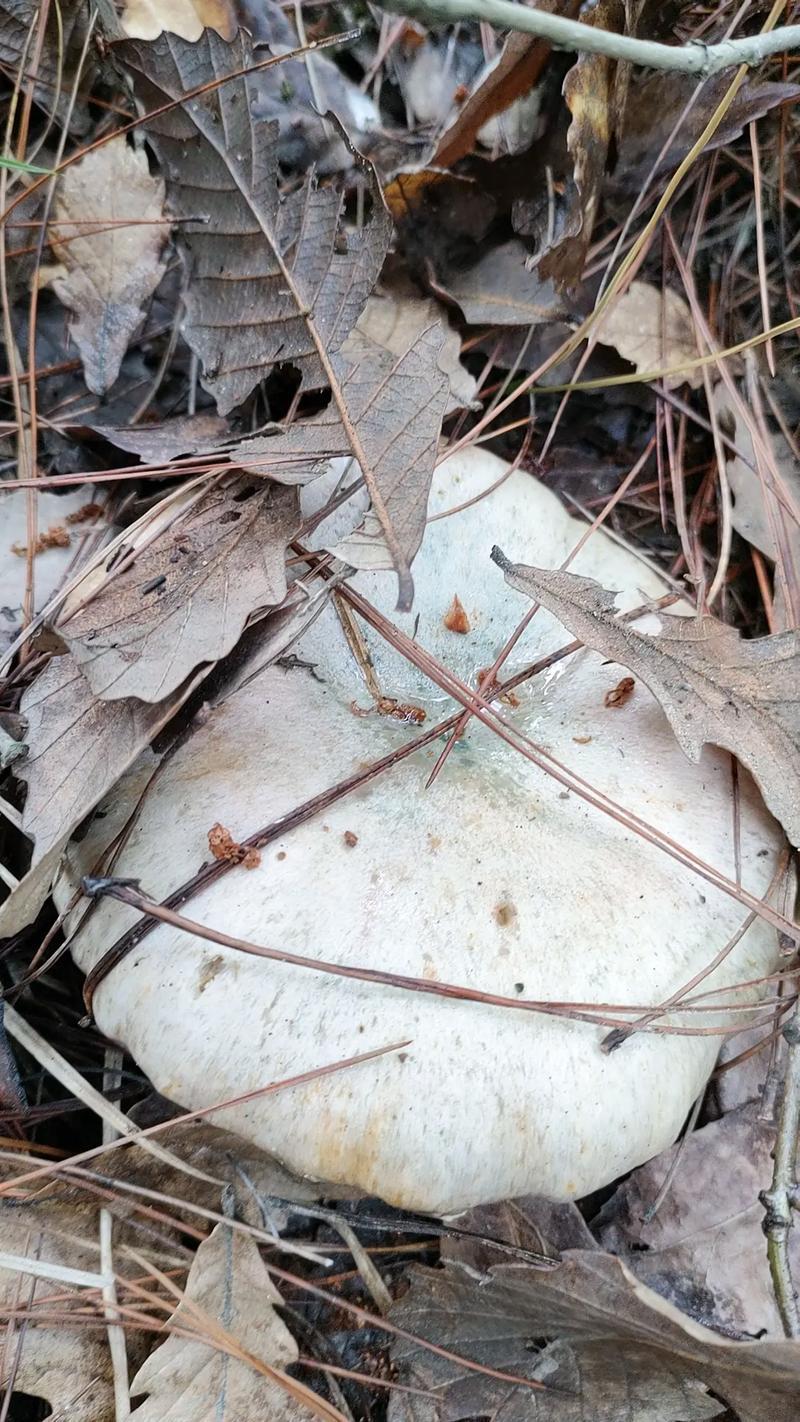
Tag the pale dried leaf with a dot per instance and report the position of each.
(619, 1352)
(113, 266)
(759, 509)
(243, 239)
(704, 1249)
(501, 290)
(79, 746)
(187, 594)
(653, 329)
(500, 87)
(398, 405)
(146, 19)
(70, 1368)
(713, 686)
(189, 1381)
(394, 320)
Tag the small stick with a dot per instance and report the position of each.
(784, 1193)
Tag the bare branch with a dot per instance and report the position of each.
(692, 58)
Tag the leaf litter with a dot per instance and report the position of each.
(286, 292)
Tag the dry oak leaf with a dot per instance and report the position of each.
(146, 19)
(266, 272)
(713, 686)
(619, 1352)
(234, 1367)
(766, 511)
(653, 329)
(184, 599)
(110, 267)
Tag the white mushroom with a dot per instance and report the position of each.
(494, 878)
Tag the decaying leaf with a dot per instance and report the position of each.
(704, 1249)
(713, 686)
(589, 91)
(502, 290)
(398, 405)
(618, 1351)
(110, 268)
(146, 19)
(157, 444)
(766, 516)
(653, 142)
(272, 278)
(653, 329)
(228, 1297)
(186, 596)
(256, 260)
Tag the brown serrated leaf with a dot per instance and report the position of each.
(502, 290)
(229, 1302)
(257, 260)
(186, 595)
(654, 330)
(617, 1351)
(272, 278)
(398, 405)
(60, 56)
(704, 1248)
(395, 317)
(714, 687)
(112, 266)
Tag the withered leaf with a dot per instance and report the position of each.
(399, 404)
(502, 290)
(229, 1298)
(395, 317)
(112, 266)
(617, 1351)
(157, 444)
(257, 261)
(590, 93)
(185, 597)
(78, 748)
(271, 278)
(653, 329)
(765, 511)
(713, 686)
(511, 78)
(704, 1249)
(657, 101)
(62, 52)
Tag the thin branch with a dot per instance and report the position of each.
(692, 58)
(782, 1194)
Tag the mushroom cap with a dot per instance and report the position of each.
(495, 878)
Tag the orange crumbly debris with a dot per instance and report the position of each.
(55, 537)
(224, 846)
(455, 618)
(621, 693)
